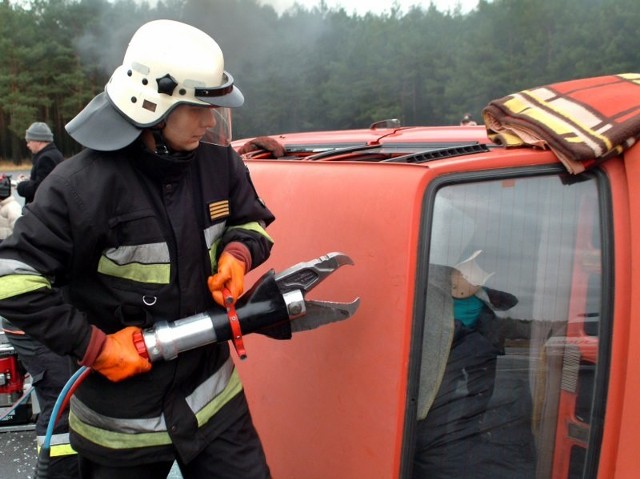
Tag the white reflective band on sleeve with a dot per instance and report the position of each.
(11, 266)
(212, 233)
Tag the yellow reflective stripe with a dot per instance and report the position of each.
(253, 226)
(119, 440)
(234, 386)
(16, 284)
(143, 273)
(213, 252)
(60, 450)
(58, 445)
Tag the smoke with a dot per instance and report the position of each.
(243, 28)
(267, 54)
(102, 43)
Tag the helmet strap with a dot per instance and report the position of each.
(161, 147)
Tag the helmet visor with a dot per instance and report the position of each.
(220, 132)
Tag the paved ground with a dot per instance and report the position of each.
(17, 454)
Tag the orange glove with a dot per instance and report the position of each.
(119, 359)
(230, 276)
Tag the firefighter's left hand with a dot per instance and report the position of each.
(263, 143)
(119, 358)
(230, 276)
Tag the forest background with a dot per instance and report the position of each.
(314, 69)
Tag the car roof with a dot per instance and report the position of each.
(374, 144)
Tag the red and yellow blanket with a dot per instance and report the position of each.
(582, 121)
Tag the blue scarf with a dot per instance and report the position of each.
(467, 310)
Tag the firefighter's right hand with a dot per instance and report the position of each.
(119, 358)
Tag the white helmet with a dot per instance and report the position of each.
(167, 63)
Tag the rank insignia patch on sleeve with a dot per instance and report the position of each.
(219, 209)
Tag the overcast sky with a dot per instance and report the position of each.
(374, 6)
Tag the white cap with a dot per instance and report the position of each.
(473, 273)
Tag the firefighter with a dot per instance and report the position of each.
(155, 220)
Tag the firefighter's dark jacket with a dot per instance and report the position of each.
(132, 237)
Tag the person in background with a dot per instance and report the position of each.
(49, 371)
(467, 120)
(10, 209)
(46, 156)
(156, 219)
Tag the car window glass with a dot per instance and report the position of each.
(513, 321)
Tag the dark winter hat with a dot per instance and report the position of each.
(38, 131)
(5, 186)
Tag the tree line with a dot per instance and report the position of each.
(318, 68)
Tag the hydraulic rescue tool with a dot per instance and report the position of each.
(275, 306)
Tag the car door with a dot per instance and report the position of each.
(332, 402)
(380, 394)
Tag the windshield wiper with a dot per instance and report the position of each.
(440, 153)
(341, 151)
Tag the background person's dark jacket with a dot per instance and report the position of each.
(43, 163)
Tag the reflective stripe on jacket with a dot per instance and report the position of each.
(58, 445)
(115, 433)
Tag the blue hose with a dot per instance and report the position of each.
(42, 469)
(56, 408)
